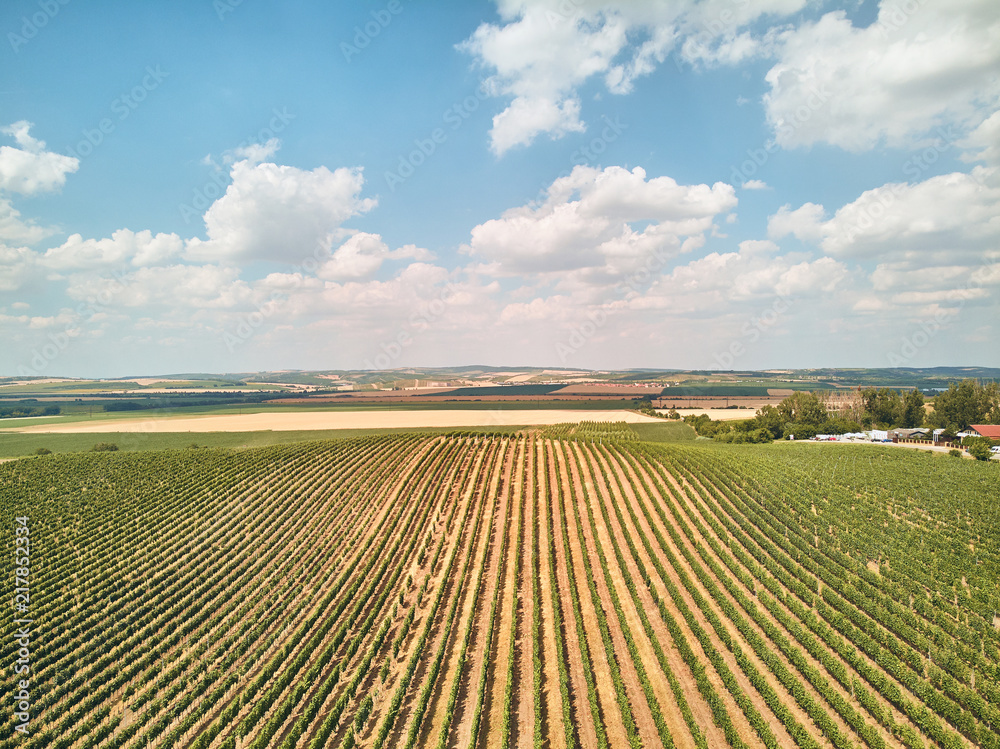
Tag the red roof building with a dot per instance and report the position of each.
(987, 430)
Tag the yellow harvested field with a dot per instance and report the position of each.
(282, 422)
(715, 414)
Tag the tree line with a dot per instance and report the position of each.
(804, 414)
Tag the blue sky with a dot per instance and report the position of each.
(235, 186)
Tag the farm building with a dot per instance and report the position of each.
(986, 430)
(908, 434)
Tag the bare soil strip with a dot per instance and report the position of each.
(898, 717)
(320, 420)
(736, 636)
(582, 718)
(494, 706)
(552, 717)
(497, 491)
(523, 720)
(455, 584)
(452, 669)
(694, 511)
(746, 732)
(613, 721)
(585, 487)
(668, 705)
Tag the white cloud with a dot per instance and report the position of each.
(279, 213)
(124, 246)
(181, 288)
(720, 282)
(591, 220)
(525, 118)
(13, 229)
(950, 215)
(15, 266)
(31, 169)
(254, 153)
(412, 252)
(357, 258)
(984, 141)
(895, 81)
(755, 184)
(545, 50)
(804, 222)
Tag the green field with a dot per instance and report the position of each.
(510, 589)
(14, 444)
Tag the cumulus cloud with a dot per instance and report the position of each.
(30, 169)
(984, 142)
(543, 51)
(123, 246)
(179, 287)
(14, 229)
(804, 222)
(279, 213)
(15, 266)
(894, 81)
(254, 153)
(718, 281)
(947, 215)
(604, 220)
(357, 258)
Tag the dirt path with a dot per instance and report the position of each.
(480, 651)
(494, 708)
(582, 717)
(585, 487)
(441, 478)
(338, 520)
(523, 720)
(671, 711)
(452, 669)
(486, 544)
(897, 716)
(747, 733)
(610, 712)
(422, 604)
(552, 716)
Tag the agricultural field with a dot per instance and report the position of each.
(570, 586)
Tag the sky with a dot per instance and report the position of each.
(239, 185)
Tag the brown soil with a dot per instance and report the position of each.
(582, 717)
(552, 721)
(493, 709)
(897, 716)
(613, 719)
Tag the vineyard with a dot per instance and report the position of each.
(573, 587)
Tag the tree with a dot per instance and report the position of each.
(912, 411)
(770, 418)
(883, 406)
(966, 403)
(979, 448)
(803, 407)
(801, 430)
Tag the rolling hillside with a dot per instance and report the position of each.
(509, 590)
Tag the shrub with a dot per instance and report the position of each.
(104, 447)
(43, 451)
(979, 447)
(955, 453)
